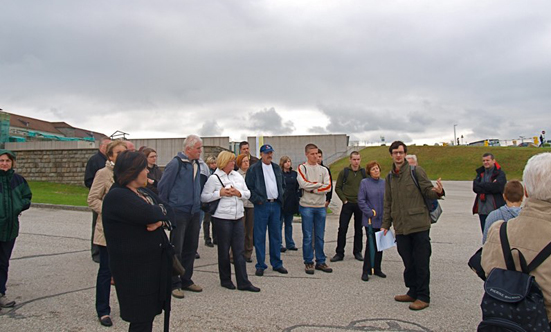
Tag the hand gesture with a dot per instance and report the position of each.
(438, 188)
(154, 226)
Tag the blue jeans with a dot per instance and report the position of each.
(287, 220)
(103, 283)
(267, 216)
(313, 220)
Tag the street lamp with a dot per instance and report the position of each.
(454, 135)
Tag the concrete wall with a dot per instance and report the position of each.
(51, 145)
(334, 147)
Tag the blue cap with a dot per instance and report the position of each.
(266, 148)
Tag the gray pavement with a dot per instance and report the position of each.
(52, 279)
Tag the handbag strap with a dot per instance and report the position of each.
(222, 183)
(414, 177)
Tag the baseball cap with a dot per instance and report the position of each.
(266, 148)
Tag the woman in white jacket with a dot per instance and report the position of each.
(229, 187)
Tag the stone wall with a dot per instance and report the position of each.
(59, 166)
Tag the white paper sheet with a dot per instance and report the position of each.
(384, 241)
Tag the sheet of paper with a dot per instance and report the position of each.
(384, 241)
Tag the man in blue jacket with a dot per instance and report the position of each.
(181, 186)
(265, 181)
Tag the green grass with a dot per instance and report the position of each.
(56, 193)
(450, 162)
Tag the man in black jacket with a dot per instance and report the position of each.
(94, 164)
(488, 185)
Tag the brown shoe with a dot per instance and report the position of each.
(323, 267)
(404, 298)
(194, 288)
(418, 305)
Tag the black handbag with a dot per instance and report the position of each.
(211, 207)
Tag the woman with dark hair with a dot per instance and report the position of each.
(140, 254)
(155, 173)
(371, 201)
(290, 202)
(15, 197)
(229, 188)
(103, 180)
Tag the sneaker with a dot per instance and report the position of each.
(337, 258)
(194, 288)
(323, 267)
(5, 302)
(178, 293)
(309, 268)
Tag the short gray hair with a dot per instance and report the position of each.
(537, 177)
(412, 156)
(191, 141)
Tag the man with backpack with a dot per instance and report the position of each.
(405, 208)
(347, 188)
(528, 236)
(181, 186)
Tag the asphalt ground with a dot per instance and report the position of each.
(52, 278)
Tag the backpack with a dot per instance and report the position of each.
(347, 171)
(512, 300)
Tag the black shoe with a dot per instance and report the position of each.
(228, 285)
(283, 249)
(197, 255)
(208, 243)
(106, 321)
(337, 258)
(380, 274)
(365, 276)
(293, 249)
(248, 260)
(250, 288)
(359, 257)
(281, 270)
(259, 272)
(95, 259)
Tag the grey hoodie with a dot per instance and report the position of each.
(503, 213)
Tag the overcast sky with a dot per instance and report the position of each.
(405, 70)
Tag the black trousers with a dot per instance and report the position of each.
(367, 256)
(347, 211)
(94, 247)
(415, 250)
(231, 233)
(6, 248)
(206, 229)
(141, 327)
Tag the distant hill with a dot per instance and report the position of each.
(450, 162)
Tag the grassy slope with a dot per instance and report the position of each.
(55, 193)
(451, 162)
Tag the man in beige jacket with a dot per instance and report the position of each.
(530, 232)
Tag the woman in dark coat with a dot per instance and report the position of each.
(155, 173)
(290, 202)
(140, 254)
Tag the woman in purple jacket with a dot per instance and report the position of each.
(371, 201)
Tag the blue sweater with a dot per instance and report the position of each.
(371, 197)
(503, 213)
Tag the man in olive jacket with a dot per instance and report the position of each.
(405, 209)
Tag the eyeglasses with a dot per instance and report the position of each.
(397, 153)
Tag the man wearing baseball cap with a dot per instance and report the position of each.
(265, 181)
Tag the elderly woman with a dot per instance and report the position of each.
(243, 162)
(103, 180)
(155, 173)
(139, 251)
(290, 202)
(15, 197)
(370, 201)
(228, 186)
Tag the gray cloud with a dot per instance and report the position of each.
(417, 68)
(210, 128)
(270, 122)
